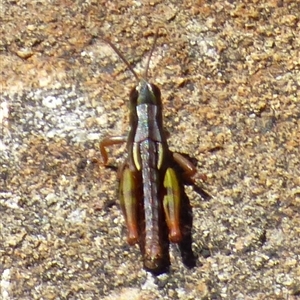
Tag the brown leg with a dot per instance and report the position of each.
(189, 169)
(109, 141)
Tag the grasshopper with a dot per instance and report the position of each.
(150, 189)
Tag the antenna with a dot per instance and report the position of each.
(126, 61)
(123, 58)
(150, 54)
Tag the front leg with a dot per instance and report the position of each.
(109, 141)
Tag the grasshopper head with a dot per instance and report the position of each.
(145, 93)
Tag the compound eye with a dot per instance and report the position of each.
(133, 96)
(156, 91)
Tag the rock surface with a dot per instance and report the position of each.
(229, 73)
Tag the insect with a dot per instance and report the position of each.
(150, 189)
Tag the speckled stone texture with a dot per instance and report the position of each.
(229, 73)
